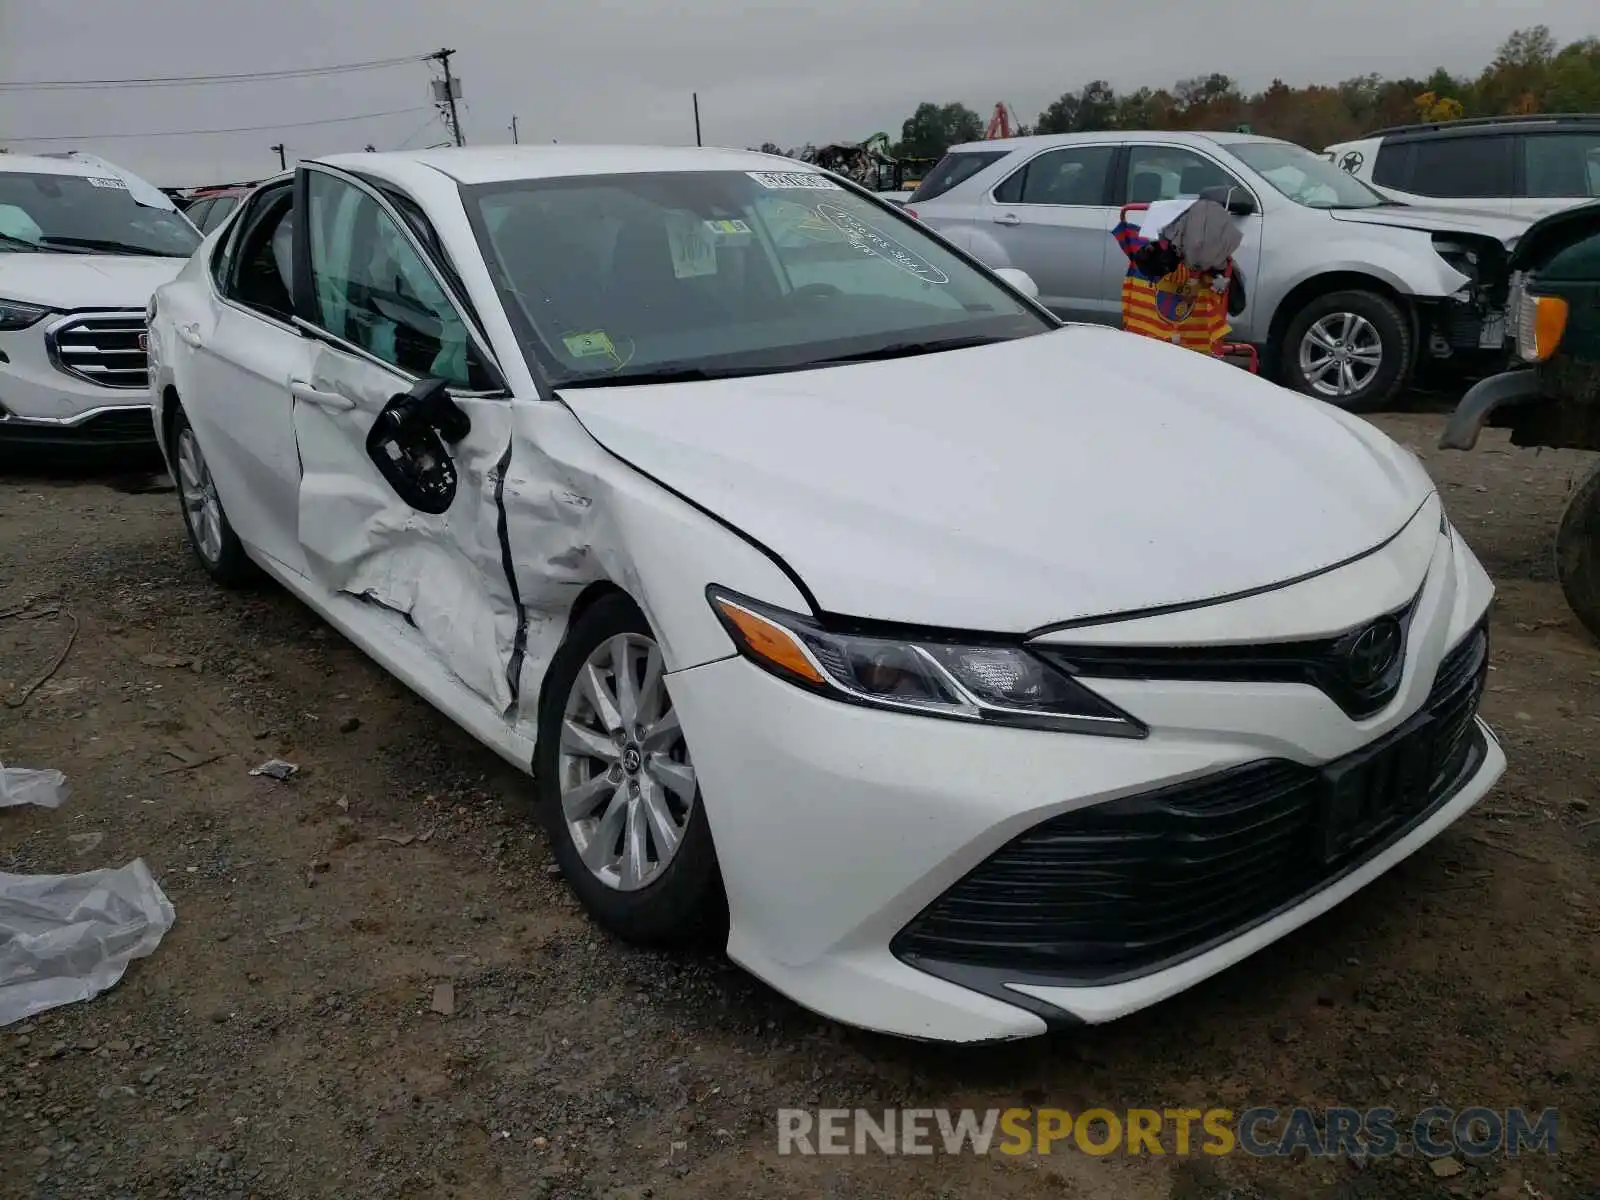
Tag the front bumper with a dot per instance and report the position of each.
(109, 427)
(837, 827)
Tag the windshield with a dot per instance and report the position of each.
(1304, 177)
(613, 277)
(80, 214)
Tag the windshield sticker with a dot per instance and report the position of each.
(727, 228)
(694, 252)
(875, 242)
(793, 180)
(106, 182)
(590, 345)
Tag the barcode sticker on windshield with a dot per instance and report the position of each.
(694, 253)
(793, 180)
(107, 182)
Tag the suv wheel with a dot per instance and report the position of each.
(616, 787)
(1578, 551)
(1351, 349)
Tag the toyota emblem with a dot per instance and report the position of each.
(1374, 652)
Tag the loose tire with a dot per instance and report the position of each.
(211, 537)
(1351, 349)
(615, 786)
(1578, 551)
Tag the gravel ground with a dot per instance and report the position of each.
(285, 1040)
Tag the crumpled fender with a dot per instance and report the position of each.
(576, 515)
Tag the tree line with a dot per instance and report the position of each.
(1531, 73)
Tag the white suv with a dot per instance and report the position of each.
(1527, 167)
(82, 247)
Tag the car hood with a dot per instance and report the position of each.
(1505, 230)
(72, 281)
(1077, 473)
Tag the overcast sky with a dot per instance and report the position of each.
(623, 70)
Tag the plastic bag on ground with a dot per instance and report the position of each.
(65, 938)
(24, 785)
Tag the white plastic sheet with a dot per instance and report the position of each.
(65, 938)
(24, 785)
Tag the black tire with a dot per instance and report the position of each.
(1578, 551)
(685, 903)
(1394, 337)
(230, 565)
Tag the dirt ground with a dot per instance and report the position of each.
(282, 1041)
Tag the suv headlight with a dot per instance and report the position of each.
(14, 314)
(994, 684)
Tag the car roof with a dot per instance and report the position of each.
(499, 164)
(1182, 137)
(34, 164)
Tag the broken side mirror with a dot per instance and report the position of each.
(407, 445)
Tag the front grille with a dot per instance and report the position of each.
(1117, 889)
(1322, 663)
(104, 348)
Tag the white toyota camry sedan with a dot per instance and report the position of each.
(967, 672)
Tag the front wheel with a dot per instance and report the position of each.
(616, 787)
(1578, 551)
(1351, 349)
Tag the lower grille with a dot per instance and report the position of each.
(108, 349)
(1117, 889)
(118, 427)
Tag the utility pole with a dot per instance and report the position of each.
(283, 164)
(697, 118)
(514, 141)
(443, 56)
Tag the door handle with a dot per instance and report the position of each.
(190, 333)
(329, 400)
(1008, 219)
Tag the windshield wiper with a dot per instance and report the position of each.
(670, 373)
(105, 246)
(909, 350)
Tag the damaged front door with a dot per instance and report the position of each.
(403, 436)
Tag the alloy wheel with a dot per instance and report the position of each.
(627, 785)
(200, 500)
(1340, 354)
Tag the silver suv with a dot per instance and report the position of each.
(1346, 290)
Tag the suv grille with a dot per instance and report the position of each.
(1122, 888)
(107, 349)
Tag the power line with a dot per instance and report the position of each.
(202, 80)
(96, 137)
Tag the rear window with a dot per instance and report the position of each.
(1462, 168)
(954, 169)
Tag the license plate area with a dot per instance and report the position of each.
(1373, 790)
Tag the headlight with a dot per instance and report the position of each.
(1541, 320)
(16, 315)
(991, 684)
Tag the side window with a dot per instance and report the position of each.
(220, 208)
(1074, 175)
(1562, 165)
(1392, 168)
(372, 289)
(196, 213)
(1462, 168)
(254, 267)
(1167, 172)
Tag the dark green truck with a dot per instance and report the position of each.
(1552, 397)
